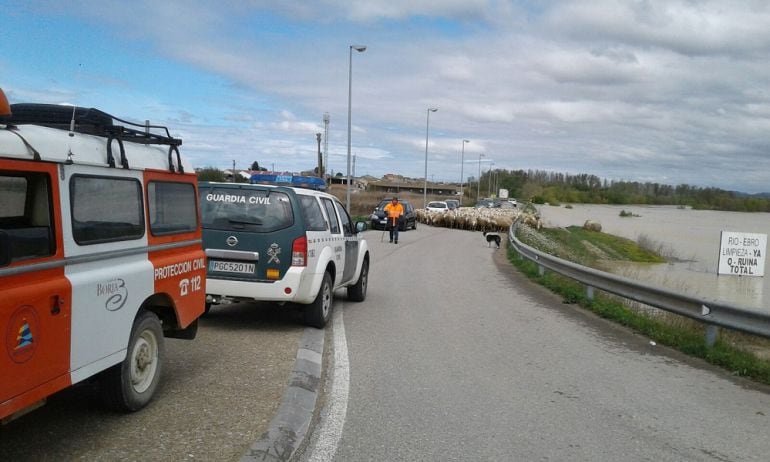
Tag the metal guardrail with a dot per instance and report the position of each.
(712, 313)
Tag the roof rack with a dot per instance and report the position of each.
(92, 121)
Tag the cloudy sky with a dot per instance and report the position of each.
(662, 91)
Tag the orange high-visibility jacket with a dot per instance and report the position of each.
(394, 211)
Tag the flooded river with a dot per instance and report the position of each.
(688, 238)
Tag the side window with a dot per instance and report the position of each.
(333, 222)
(347, 226)
(172, 207)
(26, 229)
(106, 209)
(314, 218)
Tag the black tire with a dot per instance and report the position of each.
(317, 314)
(414, 225)
(207, 309)
(357, 292)
(130, 385)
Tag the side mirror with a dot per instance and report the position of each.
(361, 226)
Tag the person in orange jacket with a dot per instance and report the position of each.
(394, 210)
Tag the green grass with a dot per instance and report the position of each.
(587, 247)
(674, 331)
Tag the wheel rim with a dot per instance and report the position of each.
(326, 300)
(364, 278)
(144, 361)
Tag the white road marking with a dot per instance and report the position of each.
(333, 419)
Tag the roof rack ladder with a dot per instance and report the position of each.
(180, 168)
(110, 158)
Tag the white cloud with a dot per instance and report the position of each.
(687, 27)
(615, 88)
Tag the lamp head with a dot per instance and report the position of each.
(466, 141)
(433, 109)
(358, 48)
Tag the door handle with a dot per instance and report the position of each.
(56, 304)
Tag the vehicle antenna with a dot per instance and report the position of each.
(72, 123)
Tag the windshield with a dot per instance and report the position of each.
(255, 210)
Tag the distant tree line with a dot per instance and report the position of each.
(554, 188)
(541, 186)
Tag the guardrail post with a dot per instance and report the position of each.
(712, 332)
(540, 270)
(590, 292)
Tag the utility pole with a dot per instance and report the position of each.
(232, 177)
(462, 161)
(326, 141)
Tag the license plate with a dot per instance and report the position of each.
(232, 267)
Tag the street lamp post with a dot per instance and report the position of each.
(478, 185)
(489, 182)
(320, 158)
(425, 185)
(462, 160)
(358, 48)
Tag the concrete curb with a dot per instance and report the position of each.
(289, 427)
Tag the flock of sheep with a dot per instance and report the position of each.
(476, 219)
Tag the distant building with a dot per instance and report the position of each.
(413, 186)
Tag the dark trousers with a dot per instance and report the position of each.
(393, 230)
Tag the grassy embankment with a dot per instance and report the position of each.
(737, 352)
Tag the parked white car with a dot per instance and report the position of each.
(437, 206)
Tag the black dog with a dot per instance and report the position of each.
(492, 237)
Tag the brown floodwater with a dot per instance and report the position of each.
(688, 238)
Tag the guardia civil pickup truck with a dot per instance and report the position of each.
(270, 242)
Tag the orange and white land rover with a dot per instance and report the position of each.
(100, 254)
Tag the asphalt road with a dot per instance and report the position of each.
(455, 356)
(217, 396)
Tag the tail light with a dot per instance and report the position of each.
(299, 252)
